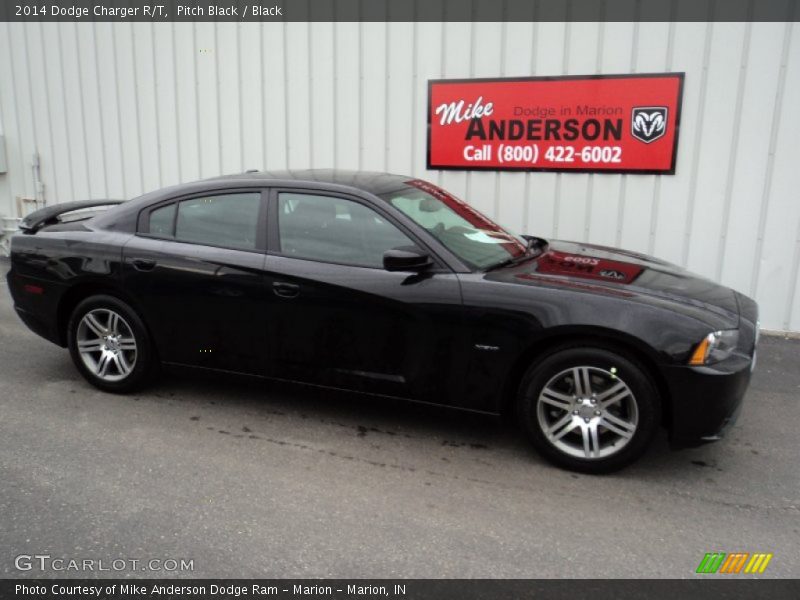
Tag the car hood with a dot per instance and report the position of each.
(611, 271)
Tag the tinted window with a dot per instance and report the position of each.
(336, 230)
(229, 220)
(162, 220)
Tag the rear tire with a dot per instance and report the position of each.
(589, 409)
(110, 345)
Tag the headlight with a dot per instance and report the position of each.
(716, 346)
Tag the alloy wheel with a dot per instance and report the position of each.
(106, 344)
(587, 412)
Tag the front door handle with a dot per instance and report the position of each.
(143, 264)
(285, 290)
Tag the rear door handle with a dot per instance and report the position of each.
(285, 290)
(143, 264)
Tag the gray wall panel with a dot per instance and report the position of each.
(115, 110)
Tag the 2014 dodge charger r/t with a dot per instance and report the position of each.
(389, 285)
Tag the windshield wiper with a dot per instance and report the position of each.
(512, 260)
(504, 263)
(534, 247)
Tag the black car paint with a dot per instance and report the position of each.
(447, 335)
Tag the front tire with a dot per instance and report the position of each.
(110, 346)
(589, 409)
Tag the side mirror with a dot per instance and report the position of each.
(408, 258)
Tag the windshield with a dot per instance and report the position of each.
(474, 238)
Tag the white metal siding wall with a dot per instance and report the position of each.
(119, 109)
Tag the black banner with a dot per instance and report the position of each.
(399, 10)
(397, 589)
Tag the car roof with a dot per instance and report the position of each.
(374, 182)
(124, 216)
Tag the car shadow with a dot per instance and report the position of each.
(358, 410)
(366, 415)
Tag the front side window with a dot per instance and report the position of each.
(227, 220)
(337, 230)
(474, 238)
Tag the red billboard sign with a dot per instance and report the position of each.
(595, 123)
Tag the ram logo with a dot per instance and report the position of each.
(648, 123)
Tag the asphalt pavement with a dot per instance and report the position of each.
(246, 478)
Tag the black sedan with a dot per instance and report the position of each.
(389, 285)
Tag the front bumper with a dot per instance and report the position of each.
(707, 400)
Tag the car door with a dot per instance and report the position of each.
(196, 270)
(338, 318)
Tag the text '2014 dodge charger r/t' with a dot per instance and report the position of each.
(389, 285)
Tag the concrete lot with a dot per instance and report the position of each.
(251, 479)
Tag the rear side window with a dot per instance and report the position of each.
(226, 220)
(162, 221)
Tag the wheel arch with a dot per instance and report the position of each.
(79, 292)
(610, 339)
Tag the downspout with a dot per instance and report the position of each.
(38, 185)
